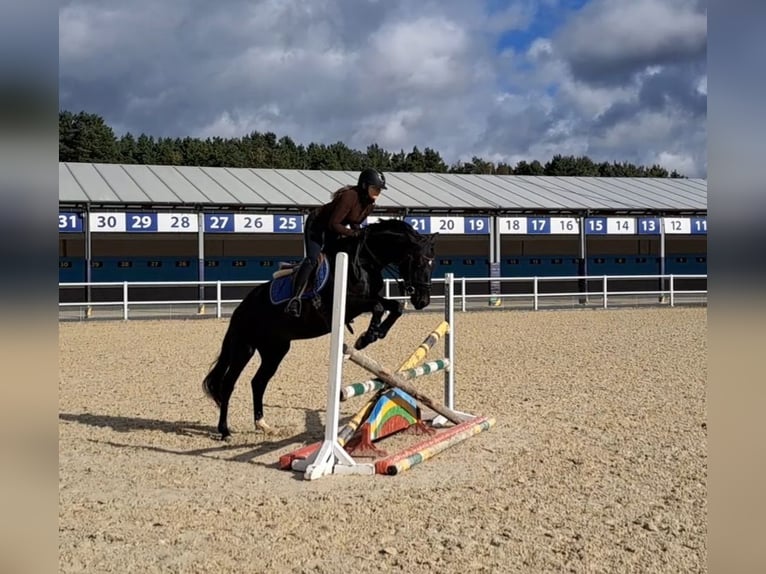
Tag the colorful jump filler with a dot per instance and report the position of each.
(395, 405)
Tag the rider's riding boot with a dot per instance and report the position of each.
(293, 307)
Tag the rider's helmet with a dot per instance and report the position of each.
(370, 177)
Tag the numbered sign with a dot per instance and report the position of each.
(421, 224)
(621, 226)
(141, 222)
(610, 226)
(70, 222)
(219, 223)
(476, 225)
(107, 222)
(699, 226)
(677, 225)
(446, 225)
(596, 226)
(513, 225)
(565, 225)
(288, 224)
(649, 226)
(247, 223)
(538, 225)
(177, 222)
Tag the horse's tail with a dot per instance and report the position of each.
(213, 382)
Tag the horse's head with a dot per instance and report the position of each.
(396, 242)
(415, 270)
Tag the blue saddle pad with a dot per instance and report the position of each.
(282, 288)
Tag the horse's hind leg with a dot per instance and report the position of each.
(240, 357)
(272, 352)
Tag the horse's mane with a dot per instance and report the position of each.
(394, 226)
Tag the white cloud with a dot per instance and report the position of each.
(611, 38)
(426, 54)
(682, 163)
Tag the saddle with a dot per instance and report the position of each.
(282, 284)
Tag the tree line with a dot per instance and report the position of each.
(86, 137)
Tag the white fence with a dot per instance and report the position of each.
(471, 292)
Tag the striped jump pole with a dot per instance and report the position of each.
(430, 447)
(370, 385)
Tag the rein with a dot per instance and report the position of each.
(405, 284)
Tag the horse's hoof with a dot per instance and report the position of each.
(263, 426)
(223, 437)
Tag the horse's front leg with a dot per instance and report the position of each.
(377, 329)
(372, 333)
(395, 310)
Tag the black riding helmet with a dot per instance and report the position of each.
(370, 177)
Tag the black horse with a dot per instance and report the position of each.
(260, 324)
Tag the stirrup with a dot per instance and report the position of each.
(293, 307)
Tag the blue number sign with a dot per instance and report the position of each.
(477, 225)
(595, 226)
(70, 222)
(219, 223)
(538, 225)
(288, 224)
(141, 222)
(699, 226)
(421, 224)
(648, 225)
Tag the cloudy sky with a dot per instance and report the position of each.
(617, 80)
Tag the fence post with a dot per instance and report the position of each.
(462, 293)
(449, 339)
(672, 293)
(606, 289)
(534, 292)
(124, 300)
(218, 303)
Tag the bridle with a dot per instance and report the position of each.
(405, 266)
(408, 284)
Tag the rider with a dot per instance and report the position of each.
(350, 205)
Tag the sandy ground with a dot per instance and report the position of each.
(597, 463)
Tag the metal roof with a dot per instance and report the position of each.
(163, 185)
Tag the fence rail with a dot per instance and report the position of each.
(120, 299)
